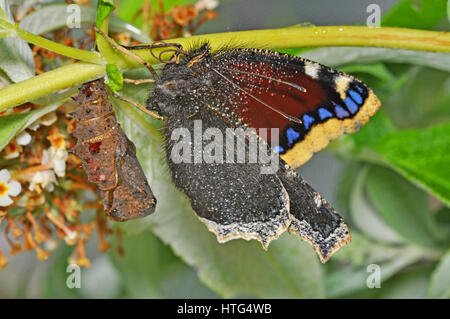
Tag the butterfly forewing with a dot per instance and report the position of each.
(309, 103)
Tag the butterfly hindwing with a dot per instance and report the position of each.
(237, 201)
(312, 218)
(233, 200)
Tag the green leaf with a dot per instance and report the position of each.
(407, 14)
(365, 217)
(16, 58)
(448, 10)
(104, 9)
(149, 269)
(357, 146)
(350, 280)
(370, 134)
(364, 250)
(378, 70)
(336, 56)
(412, 284)
(423, 100)
(12, 125)
(114, 78)
(421, 156)
(440, 279)
(402, 206)
(54, 17)
(289, 269)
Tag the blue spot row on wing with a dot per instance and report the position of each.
(360, 88)
(351, 105)
(292, 135)
(307, 121)
(278, 149)
(324, 114)
(356, 96)
(355, 99)
(341, 113)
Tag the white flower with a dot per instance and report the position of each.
(23, 138)
(208, 4)
(43, 180)
(12, 188)
(46, 120)
(58, 157)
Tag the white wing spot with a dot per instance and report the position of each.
(318, 200)
(342, 83)
(312, 69)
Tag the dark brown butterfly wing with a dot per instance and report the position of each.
(311, 104)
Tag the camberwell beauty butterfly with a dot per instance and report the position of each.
(207, 96)
(109, 157)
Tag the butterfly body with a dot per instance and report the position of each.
(261, 90)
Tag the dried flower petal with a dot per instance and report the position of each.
(3, 260)
(12, 150)
(48, 119)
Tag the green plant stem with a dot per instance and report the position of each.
(297, 37)
(49, 82)
(82, 55)
(110, 54)
(292, 37)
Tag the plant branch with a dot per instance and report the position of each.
(78, 54)
(107, 51)
(292, 37)
(49, 82)
(82, 55)
(298, 37)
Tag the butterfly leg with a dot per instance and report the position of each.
(137, 82)
(139, 106)
(138, 59)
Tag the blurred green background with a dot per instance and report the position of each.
(390, 182)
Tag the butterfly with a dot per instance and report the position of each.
(109, 157)
(292, 107)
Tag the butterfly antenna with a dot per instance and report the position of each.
(293, 85)
(125, 51)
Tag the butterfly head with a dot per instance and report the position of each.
(180, 83)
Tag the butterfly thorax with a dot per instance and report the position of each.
(183, 85)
